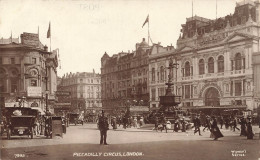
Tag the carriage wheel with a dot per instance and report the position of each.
(8, 133)
(32, 133)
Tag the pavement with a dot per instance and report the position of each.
(82, 142)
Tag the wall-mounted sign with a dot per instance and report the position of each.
(34, 91)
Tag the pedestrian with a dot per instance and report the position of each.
(227, 122)
(183, 123)
(156, 123)
(113, 123)
(103, 127)
(141, 121)
(250, 133)
(243, 127)
(163, 122)
(235, 124)
(168, 125)
(176, 125)
(215, 132)
(221, 121)
(197, 125)
(207, 123)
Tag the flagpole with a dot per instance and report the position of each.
(50, 43)
(148, 31)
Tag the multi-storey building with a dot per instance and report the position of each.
(215, 59)
(124, 77)
(84, 88)
(158, 72)
(26, 68)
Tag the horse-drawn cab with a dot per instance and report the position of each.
(20, 121)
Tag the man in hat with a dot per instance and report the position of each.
(103, 127)
(207, 123)
(197, 125)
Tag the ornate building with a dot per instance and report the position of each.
(124, 78)
(26, 68)
(215, 60)
(84, 89)
(158, 72)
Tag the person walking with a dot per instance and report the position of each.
(235, 124)
(227, 120)
(215, 132)
(243, 127)
(221, 122)
(250, 133)
(197, 125)
(207, 123)
(156, 124)
(176, 125)
(103, 127)
(163, 122)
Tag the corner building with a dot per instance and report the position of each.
(215, 61)
(124, 78)
(26, 68)
(85, 90)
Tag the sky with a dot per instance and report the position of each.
(83, 30)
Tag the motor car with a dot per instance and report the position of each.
(75, 118)
(20, 121)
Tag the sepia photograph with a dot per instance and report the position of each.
(130, 79)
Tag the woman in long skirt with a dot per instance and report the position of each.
(215, 132)
(243, 127)
(250, 133)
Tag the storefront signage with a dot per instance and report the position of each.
(139, 108)
(34, 91)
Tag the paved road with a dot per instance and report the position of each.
(82, 142)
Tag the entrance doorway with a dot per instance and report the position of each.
(212, 97)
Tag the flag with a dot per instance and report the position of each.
(49, 31)
(147, 20)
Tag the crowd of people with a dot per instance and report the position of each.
(214, 124)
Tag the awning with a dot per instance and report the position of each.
(216, 107)
(39, 109)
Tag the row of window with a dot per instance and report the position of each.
(187, 91)
(75, 81)
(161, 75)
(237, 64)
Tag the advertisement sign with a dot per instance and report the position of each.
(34, 91)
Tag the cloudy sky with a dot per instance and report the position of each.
(84, 29)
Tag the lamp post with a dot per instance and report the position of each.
(46, 90)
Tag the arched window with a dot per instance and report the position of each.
(162, 72)
(211, 65)
(220, 64)
(201, 67)
(187, 69)
(238, 62)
